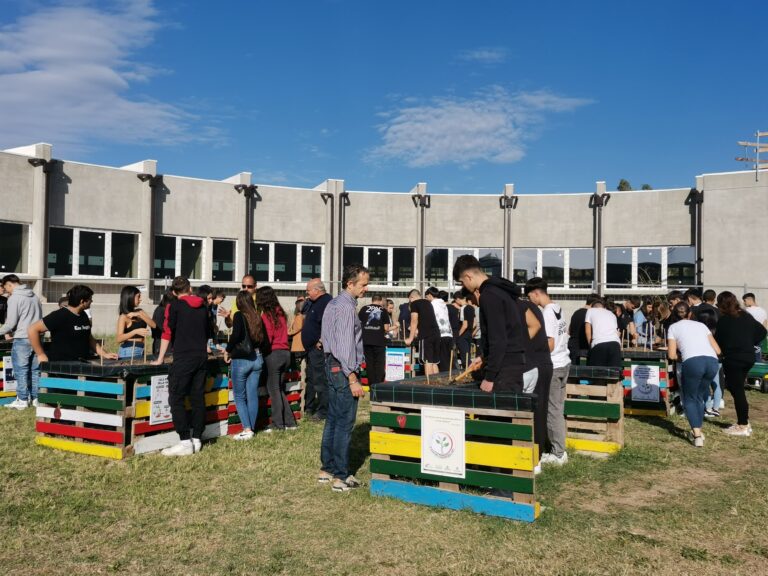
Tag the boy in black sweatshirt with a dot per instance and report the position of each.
(500, 323)
(188, 328)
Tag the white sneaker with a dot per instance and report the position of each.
(197, 445)
(736, 430)
(244, 435)
(18, 404)
(34, 403)
(537, 470)
(722, 404)
(183, 448)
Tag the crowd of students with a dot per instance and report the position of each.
(525, 345)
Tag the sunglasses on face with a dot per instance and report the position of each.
(247, 286)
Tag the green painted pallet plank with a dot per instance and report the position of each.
(84, 401)
(472, 427)
(592, 409)
(473, 477)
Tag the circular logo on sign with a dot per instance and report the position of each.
(441, 444)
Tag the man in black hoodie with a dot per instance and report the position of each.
(501, 324)
(188, 329)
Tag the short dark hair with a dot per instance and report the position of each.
(180, 284)
(350, 274)
(592, 298)
(747, 295)
(432, 291)
(220, 292)
(204, 291)
(675, 294)
(463, 263)
(443, 295)
(635, 300)
(535, 283)
(695, 292)
(78, 294)
(12, 278)
(377, 298)
(458, 295)
(710, 295)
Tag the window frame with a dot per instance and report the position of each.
(107, 253)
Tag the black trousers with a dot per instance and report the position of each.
(510, 378)
(375, 363)
(735, 375)
(446, 345)
(605, 354)
(316, 390)
(186, 377)
(542, 406)
(463, 346)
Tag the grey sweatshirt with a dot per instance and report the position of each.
(24, 309)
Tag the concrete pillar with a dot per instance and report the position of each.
(244, 232)
(599, 199)
(40, 156)
(146, 171)
(418, 193)
(507, 203)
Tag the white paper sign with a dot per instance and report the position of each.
(160, 409)
(9, 380)
(395, 362)
(645, 383)
(442, 442)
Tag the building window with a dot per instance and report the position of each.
(91, 254)
(60, 244)
(259, 261)
(524, 264)
(124, 249)
(353, 255)
(285, 262)
(436, 265)
(378, 260)
(681, 266)
(581, 267)
(223, 266)
(165, 257)
(191, 258)
(13, 248)
(618, 267)
(649, 267)
(311, 262)
(490, 260)
(553, 267)
(402, 265)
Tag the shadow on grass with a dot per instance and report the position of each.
(359, 446)
(665, 424)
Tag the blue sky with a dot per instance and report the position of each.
(466, 96)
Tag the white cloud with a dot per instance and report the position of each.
(491, 126)
(488, 56)
(66, 74)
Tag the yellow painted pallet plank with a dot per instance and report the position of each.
(644, 412)
(4, 394)
(81, 447)
(579, 444)
(215, 398)
(478, 453)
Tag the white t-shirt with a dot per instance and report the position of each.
(758, 313)
(692, 339)
(441, 314)
(556, 327)
(605, 327)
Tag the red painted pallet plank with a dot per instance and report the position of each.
(75, 432)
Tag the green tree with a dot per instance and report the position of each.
(647, 187)
(624, 185)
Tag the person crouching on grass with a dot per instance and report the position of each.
(188, 329)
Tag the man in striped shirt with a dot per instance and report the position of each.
(342, 337)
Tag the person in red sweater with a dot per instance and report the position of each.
(278, 357)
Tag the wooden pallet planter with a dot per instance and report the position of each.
(6, 396)
(594, 411)
(633, 407)
(293, 393)
(500, 457)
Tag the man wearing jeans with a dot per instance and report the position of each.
(556, 328)
(24, 309)
(342, 337)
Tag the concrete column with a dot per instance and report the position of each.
(38, 229)
(418, 193)
(244, 232)
(507, 203)
(338, 189)
(599, 199)
(146, 171)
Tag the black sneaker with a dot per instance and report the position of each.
(711, 413)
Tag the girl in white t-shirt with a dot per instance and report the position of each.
(692, 343)
(602, 330)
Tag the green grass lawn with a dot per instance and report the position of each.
(659, 507)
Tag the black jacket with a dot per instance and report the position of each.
(737, 337)
(313, 320)
(536, 348)
(501, 325)
(240, 333)
(189, 325)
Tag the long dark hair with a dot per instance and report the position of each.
(247, 308)
(128, 299)
(681, 311)
(267, 303)
(729, 304)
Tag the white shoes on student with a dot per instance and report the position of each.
(18, 404)
(550, 458)
(184, 448)
(244, 435)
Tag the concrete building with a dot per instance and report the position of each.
(64, 222)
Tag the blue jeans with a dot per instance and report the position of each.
(716, 395)
(698, 373)
(26, 369)
(342, 411)
(245, 386)
(125, 352)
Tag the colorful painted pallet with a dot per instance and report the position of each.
(594, 411)
(265, 410)
(500, 456)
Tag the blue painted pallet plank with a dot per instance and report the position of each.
(145, 390)
(429, 496)
(84, 385)
(8, 400)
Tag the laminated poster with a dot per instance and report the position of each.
(395, 363)
(442, 442)
(160, 409)
(645, 383)
(9, 380)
